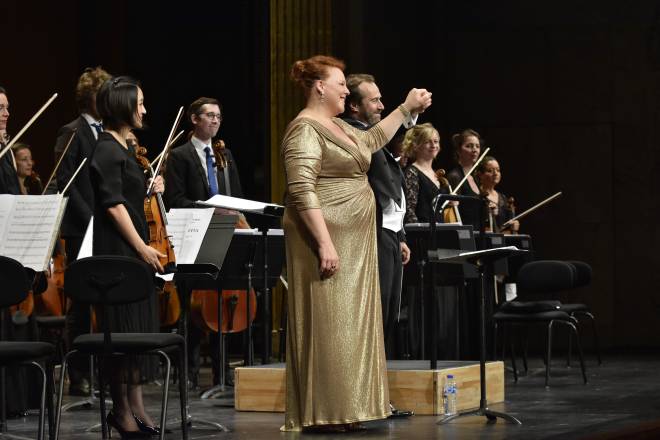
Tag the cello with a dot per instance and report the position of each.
(204, 303)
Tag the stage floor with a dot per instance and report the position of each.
(621, 400)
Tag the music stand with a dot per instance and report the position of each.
(203, 274)
(482, 260)
(238, 273)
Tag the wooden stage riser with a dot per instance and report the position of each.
(263, 389)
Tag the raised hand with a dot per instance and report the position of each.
(417, 100)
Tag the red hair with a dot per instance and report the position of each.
(305, 72)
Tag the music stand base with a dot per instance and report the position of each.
(13, 436)
(85, 403)
(489, 414)
(218, 392)
(197, 421)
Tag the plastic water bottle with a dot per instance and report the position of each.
(449, 394)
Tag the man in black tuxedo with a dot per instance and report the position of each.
(79, 209)
(198, 170)
(8, 177)
(386, 180)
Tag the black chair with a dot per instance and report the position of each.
(113, 280)
(15, 286)
(540, 277)
(583, 275)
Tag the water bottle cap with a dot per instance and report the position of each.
(450, 376)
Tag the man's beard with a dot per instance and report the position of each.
(373, 118)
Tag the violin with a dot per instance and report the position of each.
(204, 303)
(450, 214)
(52, 301)
(154, 211)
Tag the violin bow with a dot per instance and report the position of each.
(167, 145)
(34, 118)
(474, 167)
(59, 161)
(176, 138)
(508, 223)
(74, 175)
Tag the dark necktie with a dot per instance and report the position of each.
(98, 127)
(210, 171)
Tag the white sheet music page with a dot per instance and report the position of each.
(220, 201)
(86, 247)
(187, 228)
(29, 226)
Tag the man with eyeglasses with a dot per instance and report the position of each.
(198, 170)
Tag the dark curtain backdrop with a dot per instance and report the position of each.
(565, 93)
(216, 49)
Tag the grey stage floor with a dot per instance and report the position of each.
(621, 400)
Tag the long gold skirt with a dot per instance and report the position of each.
(336, 369)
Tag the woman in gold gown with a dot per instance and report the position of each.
(336, 370)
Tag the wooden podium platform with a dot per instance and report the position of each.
(412, 385)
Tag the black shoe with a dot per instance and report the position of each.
(79, 388)
(152, 430)
(112, 423)
(398, 414)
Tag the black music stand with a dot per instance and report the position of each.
(261, 215)
(203, 274)
(482, 260)
(249, 251)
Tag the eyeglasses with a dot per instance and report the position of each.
(213, 116)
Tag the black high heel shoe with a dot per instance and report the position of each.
(113, 423)
(152, 430)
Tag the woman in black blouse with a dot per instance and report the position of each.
(467, 147)
(421, 145)
(489, 175)
(120, 228)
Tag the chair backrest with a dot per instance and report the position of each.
(14, 284)
(583, 273)
(109, 280)
(546, 276)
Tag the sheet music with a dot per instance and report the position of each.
(29, 226)
(86, 246)
(187, 228)
(220, 201)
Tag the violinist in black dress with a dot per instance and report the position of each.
(120, 228)
(467, 148)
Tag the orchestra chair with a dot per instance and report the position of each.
(583, 275)
(15, 287)
(108, 281)
(540, 277)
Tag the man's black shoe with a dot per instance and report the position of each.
(398, 414)
(79, 388)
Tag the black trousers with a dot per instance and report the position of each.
(77, 320)
(390, 274)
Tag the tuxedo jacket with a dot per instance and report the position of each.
(80, 207)
(186, 181)
(385, 177)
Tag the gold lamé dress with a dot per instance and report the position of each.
(336, 370)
